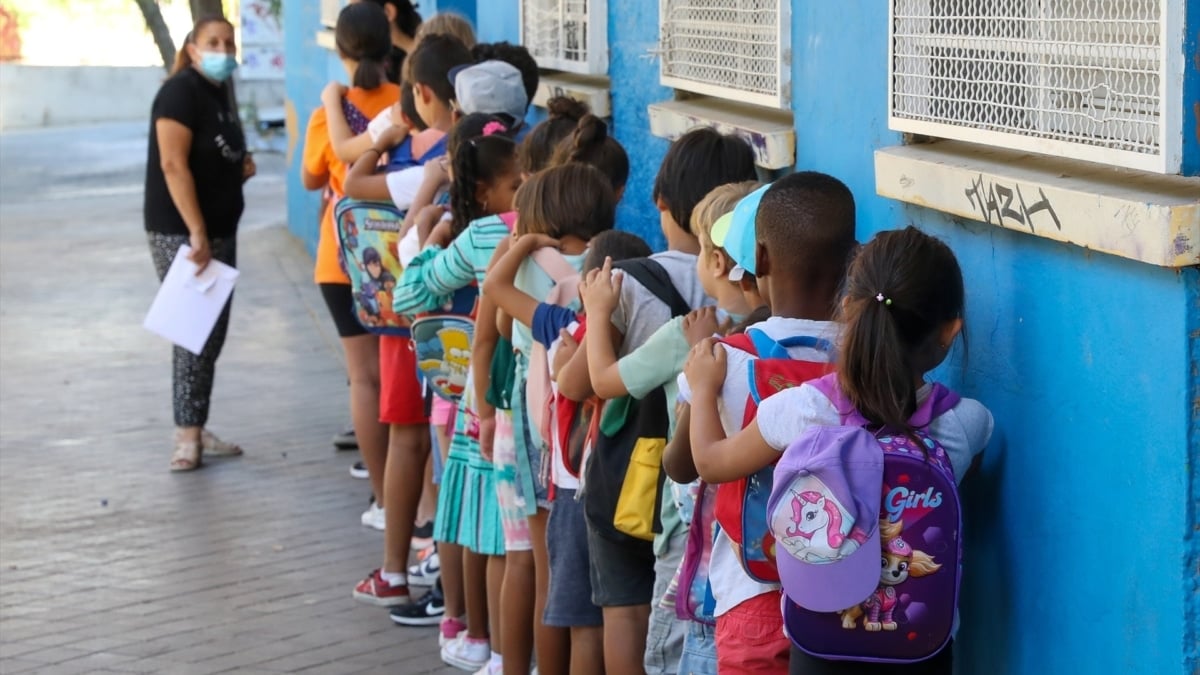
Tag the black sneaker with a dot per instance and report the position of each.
(427, 611)
(346, 440)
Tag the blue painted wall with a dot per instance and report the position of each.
(1082, 544)
(307, 72)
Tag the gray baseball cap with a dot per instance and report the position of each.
(490, 87)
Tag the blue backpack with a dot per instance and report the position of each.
(909, 616)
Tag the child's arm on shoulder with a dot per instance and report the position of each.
(573, 379)
(500, 286)
(677, 457)
(719, 459)
(433, 177)
(601, 293)
(362, 182)
(483, 347)
(347, 147)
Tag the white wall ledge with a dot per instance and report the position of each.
(770, 133)
(1147, 217)
(594, 91)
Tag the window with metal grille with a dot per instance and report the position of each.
(570, 35)
(330, 10)
(1088, 79)
(734, 49)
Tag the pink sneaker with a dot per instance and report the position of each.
(450, 629)
(375, 591)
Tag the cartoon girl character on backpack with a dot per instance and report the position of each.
(900, 561)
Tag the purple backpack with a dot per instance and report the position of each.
(897, 606)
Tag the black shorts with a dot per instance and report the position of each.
(622, 570)
(340, 301)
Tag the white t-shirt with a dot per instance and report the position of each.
(731, 586)
(963, 431)
(403, 185)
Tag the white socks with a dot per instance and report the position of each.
(394, 578)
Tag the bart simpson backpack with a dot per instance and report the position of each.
(623, 478)
(899, 599)
(741, 506)
(368, 237)
(442, 338)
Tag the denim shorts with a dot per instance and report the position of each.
(664, 642)
(569, 602)
(699, 650)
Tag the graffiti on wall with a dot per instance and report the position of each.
(996, 201)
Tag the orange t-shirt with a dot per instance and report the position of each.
(320, 159)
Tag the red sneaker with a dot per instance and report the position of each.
(375, 591)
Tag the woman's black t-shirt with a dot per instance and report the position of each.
(215, 159)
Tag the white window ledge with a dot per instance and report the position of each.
(1147, 217)
(770, 133)
(326, 39)
(594, 91)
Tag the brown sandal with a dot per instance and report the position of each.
(186, 456)
(217, 447)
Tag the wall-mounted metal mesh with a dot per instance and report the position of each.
(1084, 72)
(732, 44)
(556, 32)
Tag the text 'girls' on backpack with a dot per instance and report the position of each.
(869, 529)
(369, 238)
(741, 506)
(623, 478)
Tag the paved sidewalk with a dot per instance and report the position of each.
(108, 562)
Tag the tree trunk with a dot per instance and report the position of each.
(205, 8)
(158, 28)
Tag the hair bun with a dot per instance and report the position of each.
(591, 132)
(566, 107)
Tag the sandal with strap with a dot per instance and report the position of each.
(186, 456)
(217, 447)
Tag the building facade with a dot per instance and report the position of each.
(1055, 147)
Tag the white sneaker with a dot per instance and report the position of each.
(426, 572)
(373, 518)
(467, 654)
(491, 669)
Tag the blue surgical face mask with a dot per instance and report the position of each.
(217, 65)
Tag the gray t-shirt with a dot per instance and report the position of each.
(639, 313)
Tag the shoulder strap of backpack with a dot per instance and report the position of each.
(650, 273)
(939, 401)
(552, 262)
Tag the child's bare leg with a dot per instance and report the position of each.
(516, 612)
(362, 365)
(587, 650)
(625, 638)
(495, 581)
(475, 593)
(450, 557)
(408, 449)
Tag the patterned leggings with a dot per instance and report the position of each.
(193, 376)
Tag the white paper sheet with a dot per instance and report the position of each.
(187, 306)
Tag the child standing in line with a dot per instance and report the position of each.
(629, 575)
(568, 602)
(801, 237)
(902, 312)
(364, 41)
(659, 361)
(572, 203)
(484, 173)
(401, 396)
